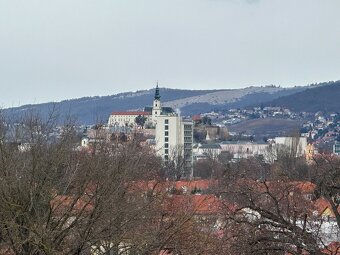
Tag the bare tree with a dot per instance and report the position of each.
(110, 199)
(274, 215)
(325, 173)
(57, 200)
(175, 167)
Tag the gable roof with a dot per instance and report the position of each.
(209, 146)
(131, 113)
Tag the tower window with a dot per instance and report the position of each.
(155, 112)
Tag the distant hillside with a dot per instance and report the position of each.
(243, 100)
(270, 126)
(323, 97)
(89, 110)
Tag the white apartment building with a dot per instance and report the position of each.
(247, 149)
(205, 151)
(174, 135)
(268, 151)
(296, 144)
(174, 138)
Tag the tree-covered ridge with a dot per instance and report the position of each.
(323, 97)
(89, 110)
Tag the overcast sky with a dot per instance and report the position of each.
(52, 50)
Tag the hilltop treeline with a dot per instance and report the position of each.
(322, 97)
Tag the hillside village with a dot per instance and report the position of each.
(211, 134)
(321, 129)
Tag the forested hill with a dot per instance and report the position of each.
(89, 110)
(323, 97)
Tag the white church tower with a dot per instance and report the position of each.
(157, 106)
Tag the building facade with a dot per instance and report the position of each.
(173, 134)
(247, 149)
(206, 151)
(127, 118)
(174, 138)
(296, 145)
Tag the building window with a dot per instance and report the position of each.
(166, 133)
(187, 133)
(166, 127)
(187, 139)
(166, 145)
(166, 139)
(166, 121)
(166, 151)
(155, 112)
(166, 157)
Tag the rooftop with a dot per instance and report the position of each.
(131, 113)
(210, 146)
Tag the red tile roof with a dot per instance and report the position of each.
(332, 249)
(196, 118)
(321, 205)
(131, 113)
(196, 184)
(304, 186)
(180, 186)
(197, 204)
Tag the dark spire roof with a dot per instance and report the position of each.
(157, 95)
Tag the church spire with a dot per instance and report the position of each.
(157, 95)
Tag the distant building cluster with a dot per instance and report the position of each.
(205, 136)
(266, 151)
(169, 134)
